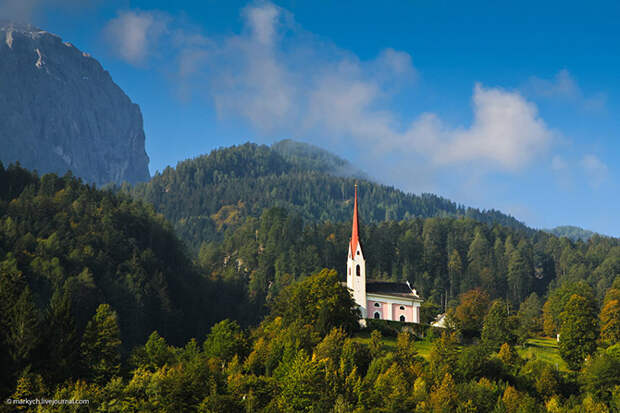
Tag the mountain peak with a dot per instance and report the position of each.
(62, 111)
(21, 27)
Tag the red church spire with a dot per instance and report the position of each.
(355, 231)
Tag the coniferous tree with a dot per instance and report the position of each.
(530, 317)
(578, 331)
(62, 343)
(455, 270)
(23, 334)
(496, 328)
(100, 346)
(610, 322)
(517, 277)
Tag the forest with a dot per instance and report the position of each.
(205, 196)
(102, 300)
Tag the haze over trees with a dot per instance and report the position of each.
(204, 196)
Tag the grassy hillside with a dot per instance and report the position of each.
(543, 348)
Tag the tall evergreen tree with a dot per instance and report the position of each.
(101, 345)
(578, 331)
(23, 333)
(610, 322)
(496, 329)
(62, 343)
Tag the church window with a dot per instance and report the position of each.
(349, 270)
(402, 307)
(357, 270)
(402, 318)
(358, 253)
(377, 305)
(377, 315)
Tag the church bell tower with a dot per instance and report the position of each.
(356, 264)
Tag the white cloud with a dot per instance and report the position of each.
(284, 81)
(262, 20)
(133, 34)
(564, 87)
(506, 131)
(596, 170)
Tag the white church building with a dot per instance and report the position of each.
(378, 299)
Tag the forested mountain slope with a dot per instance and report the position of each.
(66, 248)
(442, 257)
(203, 196)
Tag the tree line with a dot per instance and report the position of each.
(306, 356)
(203, 197)
(442, 257)
(66, 248)
(87, 275)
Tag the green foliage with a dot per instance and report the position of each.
(472, 362)
(101, 345)
(610, 317)
(62, 344)
(530, 317)
(470, 313)
(578, 330)
(375, 345)
(342, 374)
(303, 386)
(306, 180)
(66, 248)
(496, 328)
(558, 298)
(157, 353)
(600, 375)
(319, 302)
(225, 340)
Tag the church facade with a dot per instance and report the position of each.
(378, 299)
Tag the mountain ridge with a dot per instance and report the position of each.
(204, 196)
(62, 111)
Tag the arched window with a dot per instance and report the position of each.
(357, 270)
(402, 307)
(349, 270)
(377, 305)
(358, 253)
(377, 315)
(402, 318)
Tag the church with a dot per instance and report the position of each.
(378, 299)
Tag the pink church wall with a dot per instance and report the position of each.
(372, 309)
(410, 312)
(407, 312)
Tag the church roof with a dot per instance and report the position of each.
(355, 230)
(389, 288)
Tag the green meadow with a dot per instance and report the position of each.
(539, 348)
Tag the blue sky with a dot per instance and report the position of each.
(494, 106)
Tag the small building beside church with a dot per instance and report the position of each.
(378, 299)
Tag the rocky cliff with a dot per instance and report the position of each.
(60, 110)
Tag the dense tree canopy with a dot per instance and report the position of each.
(66, 248)
(202, 197)
(99, 300)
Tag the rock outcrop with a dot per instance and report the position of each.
(60, 111)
